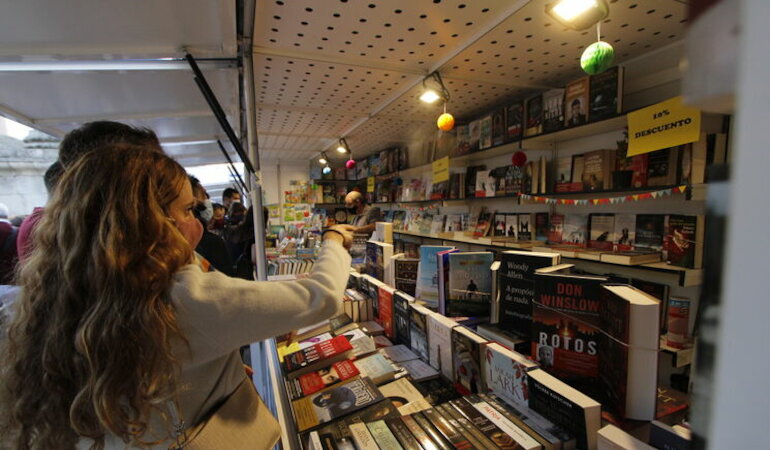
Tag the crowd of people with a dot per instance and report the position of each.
(124, 325)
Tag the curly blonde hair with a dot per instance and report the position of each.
(89, 350)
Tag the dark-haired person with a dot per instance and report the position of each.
(8, 253)
(211, 246)
(116, 327)
(24, 239)
(229, 196)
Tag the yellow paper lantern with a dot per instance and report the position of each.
(445, 122)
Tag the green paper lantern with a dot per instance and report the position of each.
(597, 58)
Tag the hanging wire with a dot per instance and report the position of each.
(599, 30)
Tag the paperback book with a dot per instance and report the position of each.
(317, 356)
(470, 284)
(534, 106)
(338, 434)
(401, 302)
(553, 110)
(427, 281)
(440, 343)
(505, 373)
(606, 91)
(576, 102)
(418, 331)
(315, 381)
(334, 402)
(515, 121)
(467, 351)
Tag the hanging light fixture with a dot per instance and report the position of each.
(578, 14)
(323, 159)
(434, 89)
(343, 146)
(326, 170)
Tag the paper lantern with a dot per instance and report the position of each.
(597, 58)
(327, 170)
(350, 164)
(445, 122)
(519, 158)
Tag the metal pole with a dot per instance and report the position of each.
(234, 172)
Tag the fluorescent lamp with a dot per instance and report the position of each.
(578, 14)
(430, 96)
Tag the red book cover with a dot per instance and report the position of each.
(556, 229)
(315, 381)
(385, 316)
(639, 166)
(318, 352)
(565, 328)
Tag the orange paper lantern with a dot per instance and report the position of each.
(445, 122)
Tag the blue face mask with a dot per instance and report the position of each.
(207, 213)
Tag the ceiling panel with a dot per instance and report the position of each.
(172, 127)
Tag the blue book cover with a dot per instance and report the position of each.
(470, 284)
(427, 274)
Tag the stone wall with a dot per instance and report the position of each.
(22, 166)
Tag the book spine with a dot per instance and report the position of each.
(434, 434)
(402, 433)
(540, 433)
(362, 437)
(422, 437)
(484, 425)
(520, 436)
(463, 424)
(382, 434)
(447, 429)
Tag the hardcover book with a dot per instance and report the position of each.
(427, 282)
(334, 402)
(385, 303)
(317, 356)
(401, 302)
(470, 284)
(565, 328)
(514, 118)
(683, 244)
(505, 373)
(575, 230)
(418, 331)
(601, 228)
(447, 429)
(432, 430)
(576, 103)
(553, 110)
(467, 351)
(566, 407)
(419, 433)
(606, 91)
(440, 343)
(624, 234)
(315, 381)
(629, 352)
(598, 166)
(511, 433)
(517, 287)
(485, 136)
(534, 119)
(649, 232)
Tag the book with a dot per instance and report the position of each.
(371, 328)
(467, 351)
(382, 434)
(317, 356)
(514, 118)
(658, 291)
(575, 230)
(362, 437)
(405, 396)
(440, 342)
(601, 227)
(442, 260)
(524, 232)
(494, 332)
(551, 436)
(361, 343)
(470, 284)
(576, 102)
(483, 223)
(470, 180)
(485, 184)
(402, 434)
(638, 164)
(683, 243)
(578, 166)
(628, 354)
(485, 132)
(385, 303)
(534, 120)
(447, 429)
(401, 302)
(553, 110)
(375, 367)
(662, 167)
(649, 232)
(563, 182)
(427, 281)
(284, 348)
(381, 341)
(432, 430)
(378, 256)
(398, 353)
(511, 433)
(565, 328)
(498, 228)
(463, 142)
(315, 381)
(454, 222)
(473, 434)
(631, 257)
(499, 130)
(511, 225)
(482, 424)
(337, 434)
(334, 402)
(598, 166)
(516, 286)
(606, 94)
(556, 229)
(383, 232)
(611, 437)
(505, 373)
(566, 407)
(624, 232)
(418, 330)
(419, 370)
(437, 225)
(417, 431)
(670, 438)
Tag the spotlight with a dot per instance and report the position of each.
(434, 89)
(343, 146)
(326, 170)
(323, 160)
(430, 96)
(578, 14)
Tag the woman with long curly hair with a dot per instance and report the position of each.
(114, 321)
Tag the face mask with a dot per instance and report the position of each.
(352, 210)
(191, 230)
(207, 213)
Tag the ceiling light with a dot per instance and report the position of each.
(578, 14)
(434, 89)
(112, 65)
(322, 159)
(430, 96)
(343, 146)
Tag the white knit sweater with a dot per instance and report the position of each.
(219, 314)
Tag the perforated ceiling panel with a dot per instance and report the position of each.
(354, 68)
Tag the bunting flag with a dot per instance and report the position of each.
(606, 200)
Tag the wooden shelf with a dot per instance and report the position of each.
(682, 356)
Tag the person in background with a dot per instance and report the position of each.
(236, 214)
(8, 252)
(217, 223)
(211, 246)
(24, 240)
(366, 216)
(117, 327)
(229, 196)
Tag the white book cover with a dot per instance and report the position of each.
(362, 437)
(419, 371)
(613, 438)
(512, 225)
(362, 344)
(405, 397)
(398, 353)
(376, 367)
(440, 343)
(521, 437)
(505, 374)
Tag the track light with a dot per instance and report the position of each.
(323, 159)
(343, 146)
(434, 89)
(578, 14)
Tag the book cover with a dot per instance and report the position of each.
(563, 174)
(470, 284)
(514, 118)
(440, 343)
(485, 132)
(662, 167)
(362, 343)
(684, 240)
(511, 225)
(483, 224)
(417, 431)
(628, 354)
(375, 367)
(385, 303)
(382, 434)
(475, 134)
(524, 232)
(565, 406)
(601, 228)
(576, 102)
(284, 348)
(485, 184)
(463, 140)
(505, 373)
(315, 381)
(362, 437)
(556, 229)
(435, 435)
(638, 164)
(378, 256)
(454, 222)
(401, 313)
(516, 284)
(649, 232)
(418, 331)
(473, 434)
(505, 434)
(398, 353)
(398, 220)
(447, 429)
(467, 351)
(542, 226)
(597, 170)
(427, 282)
(551, 435)
(499, 130)
(406, 398)
(406, 270)
(553, 110)
(437, 390)
(565, 328)
(624, 232)
(402, 434)
(606, 94)
(334, 402)
(315, 356)
(578, 167)
(499, 225)
(419, 371)
(470, 180)
(659, 291)
(575, 230)
(337, 434)
(534, 106)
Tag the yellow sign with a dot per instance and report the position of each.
(441, 170)
(370, 184)
(664, 125)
